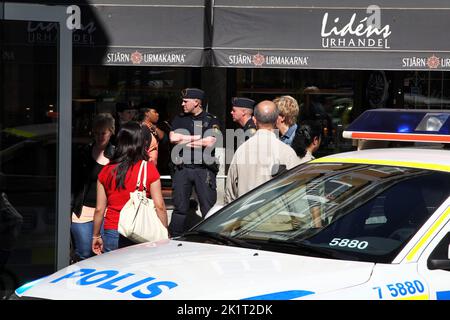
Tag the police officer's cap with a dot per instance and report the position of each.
(243, 102)
(192, 93)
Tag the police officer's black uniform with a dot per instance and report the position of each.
(250, 125)
(241, 102)
(193, 168)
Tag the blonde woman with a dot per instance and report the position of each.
(287, 120)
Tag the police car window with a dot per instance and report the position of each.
(366, 211)
(8, 140)
(31, 158)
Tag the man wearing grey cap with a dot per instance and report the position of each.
(193, 136)
(242, 111)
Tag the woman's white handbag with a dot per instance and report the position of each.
(138, 220)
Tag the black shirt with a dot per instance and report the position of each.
(250, 126)
(204, 124)
(84, 176)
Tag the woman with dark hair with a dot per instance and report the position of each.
(148, 117)
(307, 139)
(116, 181)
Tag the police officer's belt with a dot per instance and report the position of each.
(193, 166)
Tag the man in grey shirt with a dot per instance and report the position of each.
(260, 157)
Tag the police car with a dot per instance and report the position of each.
(369, 224)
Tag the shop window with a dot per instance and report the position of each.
(98, 88)
(324, 95)
(339, 96)
(28, 155)
(426, 90)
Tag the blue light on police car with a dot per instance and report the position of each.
(403, 129)
(433, 122)
(28, 286)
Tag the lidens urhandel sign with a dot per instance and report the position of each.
(335, 34)
(339, 38)
(369, 33)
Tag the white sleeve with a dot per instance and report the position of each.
(231, 185)
(292, 159)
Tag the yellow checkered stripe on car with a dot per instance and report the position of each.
(406, 164)
(431, 231)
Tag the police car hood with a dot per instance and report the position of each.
(187, 270)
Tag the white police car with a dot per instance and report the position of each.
(371, 224)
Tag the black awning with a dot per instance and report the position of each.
(150, 32)
(132, 32)
(315, 34)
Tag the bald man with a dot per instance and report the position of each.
(259, 158)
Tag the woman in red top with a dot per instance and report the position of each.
(116, 181)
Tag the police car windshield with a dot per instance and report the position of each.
(15, 136)
(365, 212)
(7, 140)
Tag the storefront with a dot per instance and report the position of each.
(354, 54)
(358, 55)
(349, 56)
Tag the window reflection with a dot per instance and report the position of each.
(28, 158)
(380, 206)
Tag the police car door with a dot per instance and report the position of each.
(434, 262)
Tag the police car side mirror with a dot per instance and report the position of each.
(440, 257)
(442, 264)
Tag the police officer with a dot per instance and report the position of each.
(193, 135)
(242, 111)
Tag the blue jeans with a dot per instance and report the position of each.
(82, 239)
(110, 240)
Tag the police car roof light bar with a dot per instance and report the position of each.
(401, 125)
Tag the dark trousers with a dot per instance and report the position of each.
(204, 181)
(125, 242)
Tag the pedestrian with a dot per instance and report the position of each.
(193, 135)
(241, 112)
(125, 112)
(115, 183)
(261, 157)
(287, 119)
(88, 163)
(314, 109)
(307, 139)
(148, 117)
